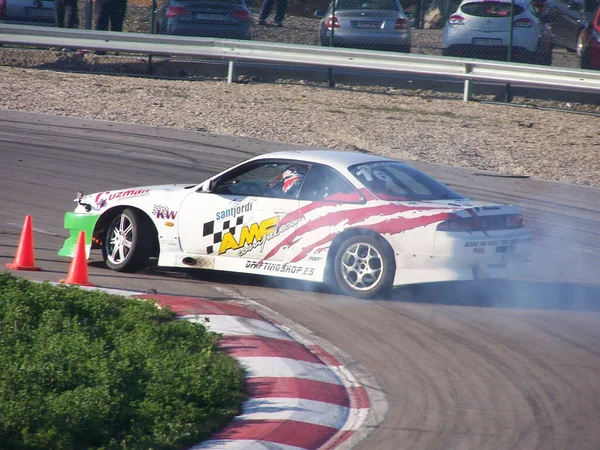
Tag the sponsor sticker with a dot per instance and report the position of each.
(163, 212)
(103, 197)
(293, 269)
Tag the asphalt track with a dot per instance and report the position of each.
(481, 365)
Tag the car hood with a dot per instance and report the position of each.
(102, 200)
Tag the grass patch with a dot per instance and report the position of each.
(81, 369)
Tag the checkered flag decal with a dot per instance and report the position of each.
(227, 227)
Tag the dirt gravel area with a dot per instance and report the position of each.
(436, 127)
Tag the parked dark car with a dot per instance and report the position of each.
(27, 12)
(367, 24)
(590, 50)
(229, 19)
(568, 19)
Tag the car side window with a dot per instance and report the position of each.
(265, 179)
(325, 184)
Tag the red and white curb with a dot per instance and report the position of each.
(301, 397)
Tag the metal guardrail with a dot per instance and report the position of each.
(467, 70)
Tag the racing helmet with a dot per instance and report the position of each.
(289, 178)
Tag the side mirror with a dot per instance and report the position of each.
(320, 13)
(211, 185)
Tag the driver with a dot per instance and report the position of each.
(290, 179)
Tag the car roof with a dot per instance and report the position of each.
(337, 159)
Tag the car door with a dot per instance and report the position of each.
(245, 214)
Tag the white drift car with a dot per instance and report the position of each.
(360, 222)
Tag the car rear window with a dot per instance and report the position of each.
(366, 4)
(395, 181)
(490, 9)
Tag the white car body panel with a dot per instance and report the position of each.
(291, 238)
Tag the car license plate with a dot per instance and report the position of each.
(367, 24)
(209, 16)
(39, 12)
(487, 41)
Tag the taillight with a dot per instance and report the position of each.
(515, 221)
(175, 11)
(401, 24)
(2, 8)
(523, 23)
(336, 23)
(242, 14)
(483, 223)
(455, 19)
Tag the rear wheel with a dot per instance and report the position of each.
(128, 241)
(364, 267)
(544, 57)
(585, 60)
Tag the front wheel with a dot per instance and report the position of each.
(128, 241)
(364, 267)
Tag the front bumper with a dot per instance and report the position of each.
(75, 223)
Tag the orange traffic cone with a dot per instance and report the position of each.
(24, 259)
(78, 271)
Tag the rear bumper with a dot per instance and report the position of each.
(467, 256)
(389, 41)
(223, 32)
(497, 53)
(42, 22)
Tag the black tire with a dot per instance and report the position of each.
(364, 267)
(545, 59)
(585, 62)
(128, 241)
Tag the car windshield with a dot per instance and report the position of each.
(395, 181)
(490, 9)
(366, 4)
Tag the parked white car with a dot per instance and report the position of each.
(482, 29)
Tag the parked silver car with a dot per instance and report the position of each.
(211, 18)
(367, 24)
(27, 12)
(482, 29)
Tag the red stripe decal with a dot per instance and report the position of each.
(354, 216)
(190, 305)
(241, 346)
(298, 388)
(287, 432)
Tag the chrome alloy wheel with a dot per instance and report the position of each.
(362, 266)
(120, 240)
